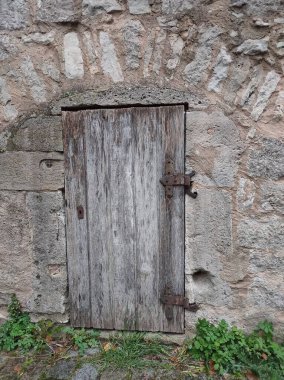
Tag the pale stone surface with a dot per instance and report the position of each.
(174, 6)
(209, 233)
(246, 194)
(47, 224)
(272, 197)
(49, 69)
(253, 47)
(220, 71)
(14, 14)
(267, 162)
(87, 372)
(267, 290)
(132, 33)
(125, 95)
(9, 110)
(39, 134)
(150, 42)
(5, 96)
(39, 38)
(4, 137)
(264, 7)
(92, 54)
(158, 51)
(58, 10)
(238, 3)
(261, 261)
(74, 65)
(265, 233)
(248, 94)
(177, 45)
(208, 243)
(109, 61)
(92, 6)
(7, 47)
(31, 171)
(266, 90)
(35, 83)
(15, 247)
(138, 7)
(213, 145)
(195, 70)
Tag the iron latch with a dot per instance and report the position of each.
(179, 301)
(171, 179)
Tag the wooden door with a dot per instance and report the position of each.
(125, 238)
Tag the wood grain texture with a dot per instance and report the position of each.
(77, 229)
(172, 237)
(135, 234)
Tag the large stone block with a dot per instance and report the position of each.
(268, 161)
(49, 253)
(42, 134)
(58, 10)
(15, 247)
(266, 233)
(31, 171)
(14, 14)
(212, 147)
(208, 245)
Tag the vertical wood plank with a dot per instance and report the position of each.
(77, 241)
(98, 150)
(145, 176)
(123, 219)
(171, 272)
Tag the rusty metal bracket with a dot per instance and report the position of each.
(174, 300)
(177, 179)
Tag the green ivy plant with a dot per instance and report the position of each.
(18, 332)
(230, 350)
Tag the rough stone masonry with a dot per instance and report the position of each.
(225, 58)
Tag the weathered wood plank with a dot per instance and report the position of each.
(77, 233)
(31, 171)
(171, 272)
(146, 180)
(123, 218)
(98, 135)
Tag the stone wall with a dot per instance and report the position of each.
(226, 60)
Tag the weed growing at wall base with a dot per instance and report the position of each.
(18, 332)
(230, 350)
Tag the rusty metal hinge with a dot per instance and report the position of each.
(171, 179)
(173, 300)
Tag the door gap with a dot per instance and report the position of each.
(120, 106)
